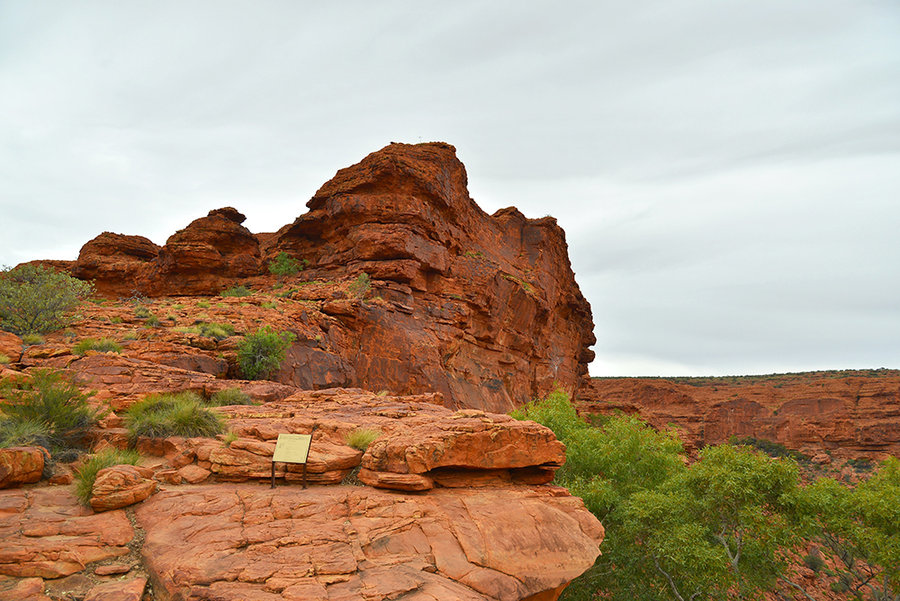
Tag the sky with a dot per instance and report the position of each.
(727, 173)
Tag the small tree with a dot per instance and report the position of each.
(360, 286)
(261, 353)
(285, 265)
(35, 299)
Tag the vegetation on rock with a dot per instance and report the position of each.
(229, 396)
(85, 477)
(361, 438)
(239, 290)
(48, 409)
(103, 345)
(164, 415)
(727, 526)
(35, 299)
(285, 265)
(261, 353)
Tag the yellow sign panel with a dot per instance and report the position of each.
(292, 448)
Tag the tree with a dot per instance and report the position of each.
(261, 353)
(35, 299)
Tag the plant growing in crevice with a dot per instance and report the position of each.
(260, 354)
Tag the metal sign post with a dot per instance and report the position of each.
(291, 448)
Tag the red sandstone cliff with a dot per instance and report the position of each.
(855, 414)
(482, 308)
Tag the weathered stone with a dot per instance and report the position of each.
(45, 532)
(193, 474)
(10, 346)
(20, 465)
(22, 589)
(119, 486)
(234, 542)
(112, 569)
(118, 590)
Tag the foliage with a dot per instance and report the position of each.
(720, 528)
(203, 304)
(36, 299)
(261, 353)
(860, 529)
(285, 265)
(361, 438)
(23, 433)
(103, 345)
(164, 415)
(32, 339)
(219, 331)
(769, 447)
(360, 286)
(142, 312)
(239, 290)
(229, 396)
(87, 475)
(4, 360)
(46, 398)
(229, 438)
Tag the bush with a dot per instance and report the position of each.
(4, 360)
(84, 479)
(360, 286)
(23, 433)
(229, 396)
(814, 562)
(361, 438)
(261, 353)
(164, 415)
(142, 312)
(32, 339)
(236, 291)
(218, 331)
(35, 299)
(285, 265)
(48, 399)
(104, 345)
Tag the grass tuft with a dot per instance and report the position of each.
(361, 438)
(164, 415)
(229, 396)
(104, 345)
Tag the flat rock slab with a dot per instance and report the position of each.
(240, 541)
(46, 533)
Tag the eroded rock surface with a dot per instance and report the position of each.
(481, 308)
(849, 414)
(348, 543)
(20, 465)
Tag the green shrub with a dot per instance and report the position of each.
(285, 265)
(36, 299)
(360, 286)
(4, 360)
(104, 345)
(203, 304)
(361, 438)
(229, 438)
(261, 353)
(814, 562)
(142, 312)
(152, 321)
(239, 290)
(229, 396)
(84, 479)
(47, 398)
(23, 433)
(32, 339)
(269, 305)
(218, 331)
(164, 415)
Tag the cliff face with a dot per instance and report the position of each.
(482, 308)
(852, 414)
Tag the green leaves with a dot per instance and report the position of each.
(35, 299)
(261, 353)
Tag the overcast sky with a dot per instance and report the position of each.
(727, 172)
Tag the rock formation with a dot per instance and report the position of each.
(851, 414)
(481, 308)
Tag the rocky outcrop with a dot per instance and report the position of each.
(120, 486)
(10, 346)
(114, 262)
(481, 308)
(852, 414)
(45, 533)
(246, 542)
(20, 465)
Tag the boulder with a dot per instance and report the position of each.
(233, 542)
(118, 590)
(20, 465)
(119, 486)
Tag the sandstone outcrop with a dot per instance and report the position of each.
(20, 465)
(10, 346)
(46, 533)
(246, 542)
(851, 414)
(120, 486)
(482, 308)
